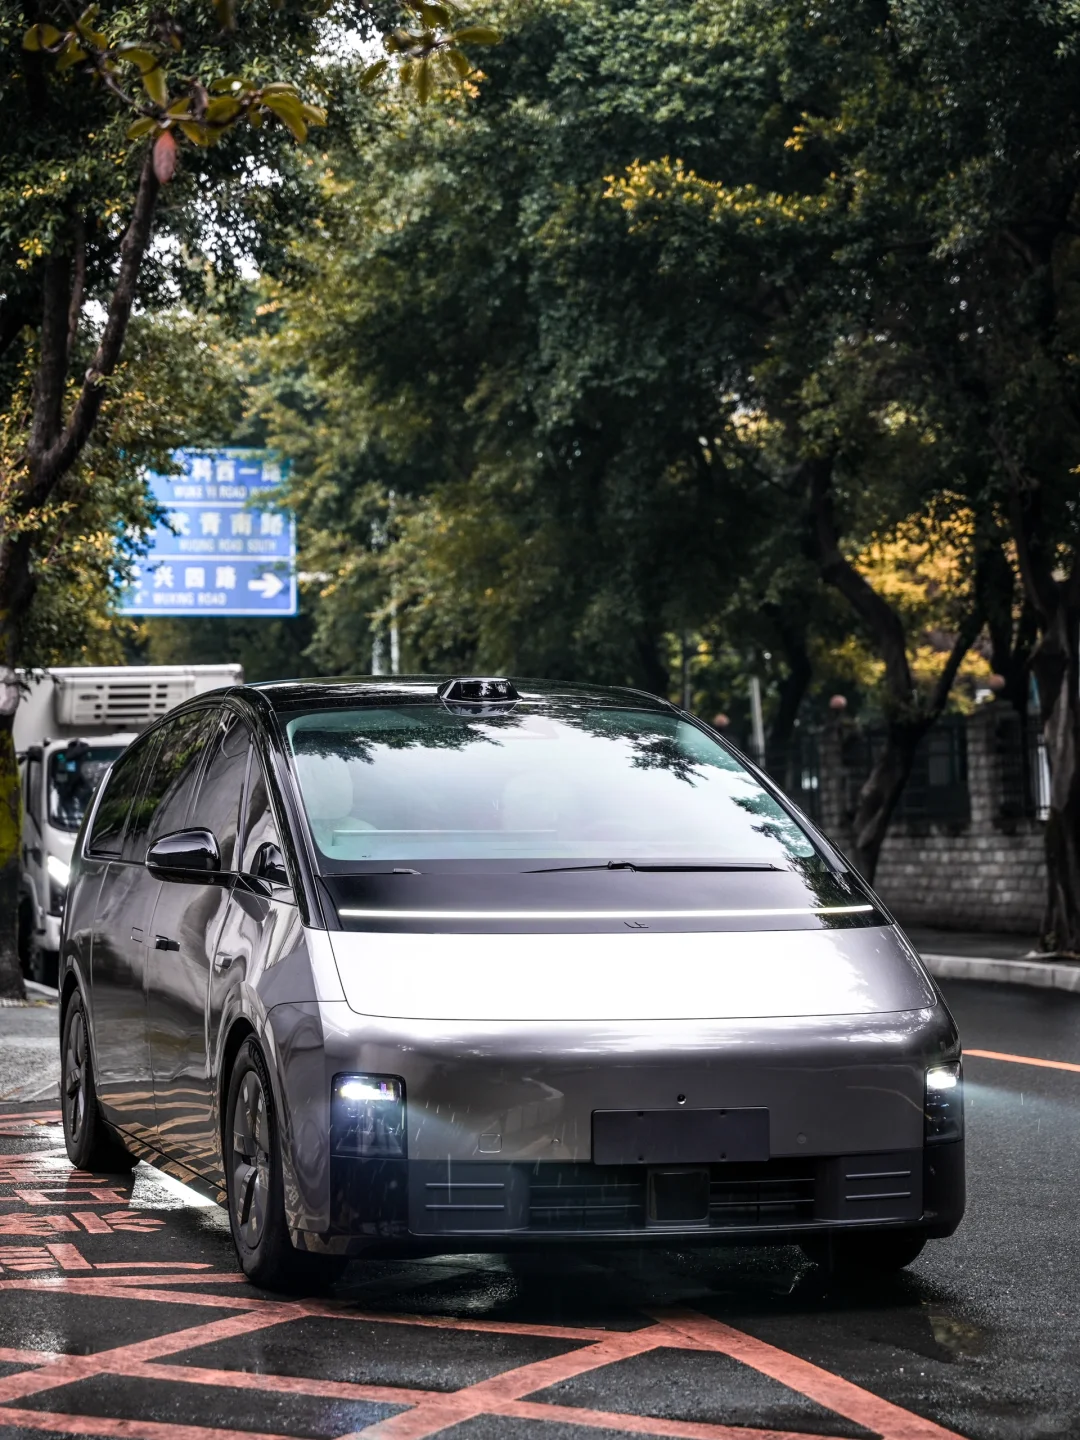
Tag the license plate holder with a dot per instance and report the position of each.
(679, 1137)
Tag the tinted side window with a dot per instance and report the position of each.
(166, 796)
(107, 833)
(259, 825)
(33, 790)
(221, 789)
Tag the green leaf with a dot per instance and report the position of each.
(288, 110)
(226, 82)
(372, 73)
(222, 110)
(196, 133)
(39, 37)
(476, 35)
(433, 15)
(71, 54)
(141, 127)
(460, 61)
(156, 86)
(423, 81)
(138, 55)
(314, 114)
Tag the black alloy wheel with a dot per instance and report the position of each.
(91, 1145)
(254, 1186)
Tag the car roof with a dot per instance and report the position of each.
(366, 690)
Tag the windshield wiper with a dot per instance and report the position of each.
(659, 865)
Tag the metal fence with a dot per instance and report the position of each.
(1022, 766)
(938, 789)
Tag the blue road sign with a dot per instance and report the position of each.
(221, 550)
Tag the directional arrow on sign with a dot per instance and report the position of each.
(267, 585)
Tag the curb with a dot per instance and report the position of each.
(1040, 974)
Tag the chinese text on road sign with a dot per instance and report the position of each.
(221, 550)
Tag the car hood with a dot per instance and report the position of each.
(631, 976)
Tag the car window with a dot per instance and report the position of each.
(74, 774)
(167, 794)
(121, 786)
(590, 783)
(259, 825)
(221, 789)
(33, 790)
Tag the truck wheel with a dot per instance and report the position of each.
(864, 1253)
(44, 965)
(91, 1145)
(253, 1183)
(26, 935)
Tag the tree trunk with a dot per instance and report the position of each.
(1055, 666)
(908, 715)
(779, 748)
(881, 793)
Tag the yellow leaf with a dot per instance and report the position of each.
(38, 37)
(156, 87)
(196, 133)
(71, 54)
(141, 127)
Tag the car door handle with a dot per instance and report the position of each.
(164, 943)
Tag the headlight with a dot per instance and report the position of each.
(944, 1106)
(367, 1115)
(59, 870)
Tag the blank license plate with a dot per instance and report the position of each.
(679, 1137)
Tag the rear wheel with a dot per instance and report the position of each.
(256, 1193)
(850, 1254)
(91, 1145)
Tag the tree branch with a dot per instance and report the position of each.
(67, 448)
(78, 285)
(882, 620)
(52, 359)
(968, 634)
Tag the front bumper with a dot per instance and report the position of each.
(486, 1205)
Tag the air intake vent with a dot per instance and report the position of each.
(120, 704)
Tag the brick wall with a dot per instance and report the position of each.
(985, 874)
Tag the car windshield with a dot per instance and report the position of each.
(571, 783)
(74, 775)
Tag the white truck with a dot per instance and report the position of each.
(71, 724)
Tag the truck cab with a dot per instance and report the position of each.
(72, 723)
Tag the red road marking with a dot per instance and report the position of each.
(1024, 1060)
(833, 1391)
(432, 1411)
(68, 1257)
(647, 1424)
(28, 1357)
(126, 1429)
(282, 1384)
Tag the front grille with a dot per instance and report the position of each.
(778, 1192)
(594, 1197)
(587, 1197)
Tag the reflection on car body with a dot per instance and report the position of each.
(471, 963)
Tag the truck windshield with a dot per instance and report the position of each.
(74, 775)
(575, 782)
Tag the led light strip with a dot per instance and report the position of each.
(596, 914)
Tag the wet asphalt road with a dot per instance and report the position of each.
(122, 1313)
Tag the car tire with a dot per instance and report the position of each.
(865, 1253)
(91, 1145)
(255, 1189)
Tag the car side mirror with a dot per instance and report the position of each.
(184, 855)
(269, 864)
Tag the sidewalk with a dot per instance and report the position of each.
(1002, 959)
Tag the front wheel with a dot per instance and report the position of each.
(253, 1182)
(91, 1145)
(858, 1253)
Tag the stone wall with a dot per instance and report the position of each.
(983, 874)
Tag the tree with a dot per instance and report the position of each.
(643, 385)
(130, 140)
